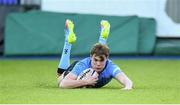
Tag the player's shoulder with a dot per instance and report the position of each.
(80, 66)
(112, 68)
(111, 65)
(109, 62)
(85, 61)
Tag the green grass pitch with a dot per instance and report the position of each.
(34, 81)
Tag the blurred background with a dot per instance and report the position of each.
(138, 27)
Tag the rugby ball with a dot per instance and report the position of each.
(87, 72)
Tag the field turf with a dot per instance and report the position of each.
(34, 82)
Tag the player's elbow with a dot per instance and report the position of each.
(62, 84)
(65, 84)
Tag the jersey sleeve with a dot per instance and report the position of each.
(78, 68)
(115, 70)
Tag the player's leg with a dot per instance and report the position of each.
(70, 38)
(105, 29)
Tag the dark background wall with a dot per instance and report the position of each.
(13, 6)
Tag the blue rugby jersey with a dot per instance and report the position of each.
(105, 76)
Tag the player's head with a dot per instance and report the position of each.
(99, 55)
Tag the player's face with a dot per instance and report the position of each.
(98, 62)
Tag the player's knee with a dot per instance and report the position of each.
(62, 84)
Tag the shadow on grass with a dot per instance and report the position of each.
(46, 85)
(110, 87)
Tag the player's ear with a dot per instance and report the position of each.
(91, 55)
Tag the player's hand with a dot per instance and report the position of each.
(90, 80)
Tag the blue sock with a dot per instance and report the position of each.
(102, 40)
(65, 57)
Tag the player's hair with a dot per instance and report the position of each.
(99, 50)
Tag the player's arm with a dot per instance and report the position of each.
(70, 81)
(124, 80)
